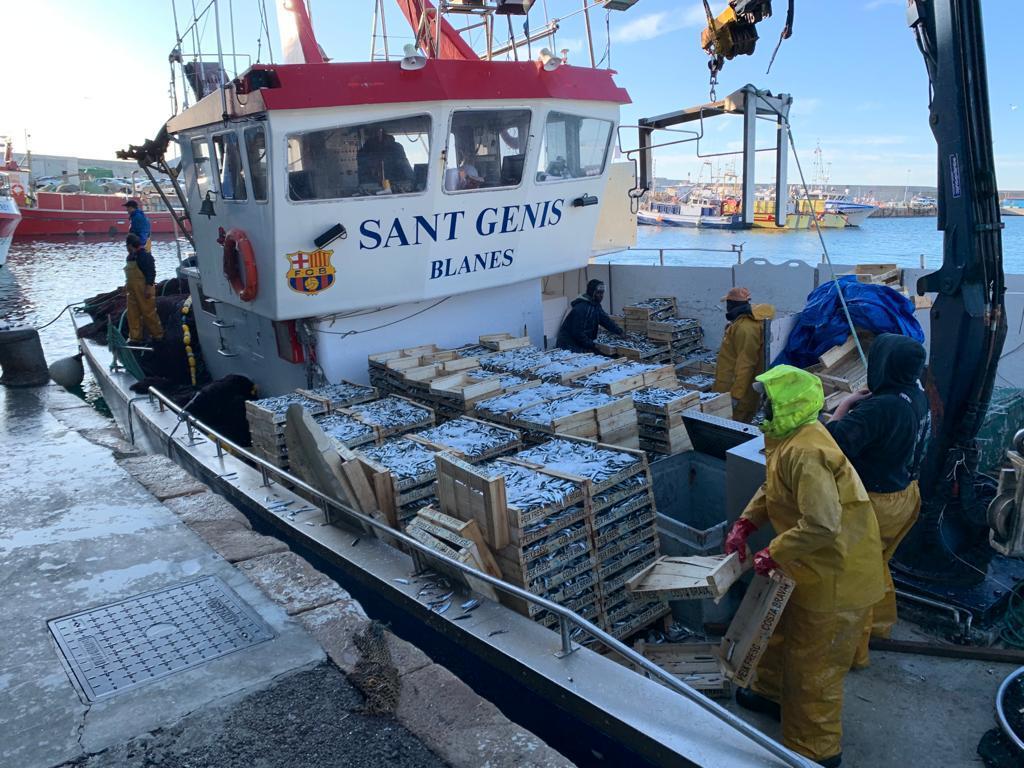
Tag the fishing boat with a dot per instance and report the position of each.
(1012, 206)
(9, 217)
(350, 214)
(699, 209)
(73, 212)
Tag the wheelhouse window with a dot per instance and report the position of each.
(386, 157)
(201, 165)
(486, 149)
(256, 154)
(232, 172)
(574, 147)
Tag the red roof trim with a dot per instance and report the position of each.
(385, 82)
(311, 86)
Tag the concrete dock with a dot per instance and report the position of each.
(87, 521)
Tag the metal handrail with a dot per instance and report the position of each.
(565, 616)
(736, 249)
(1004, 724)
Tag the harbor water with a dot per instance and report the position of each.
(904, 242)
(42, 276)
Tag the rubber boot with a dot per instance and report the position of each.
(832, 762)
(755, 702)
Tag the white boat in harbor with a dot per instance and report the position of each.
(9, 218)
(1012, 206)
(704, 212)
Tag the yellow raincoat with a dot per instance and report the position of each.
(826, 539)
(741, 358)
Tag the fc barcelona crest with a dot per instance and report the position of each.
(311, 272)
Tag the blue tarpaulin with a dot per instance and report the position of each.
(822, 323)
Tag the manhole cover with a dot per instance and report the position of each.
(122, 645)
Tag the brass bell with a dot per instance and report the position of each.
(206, 209)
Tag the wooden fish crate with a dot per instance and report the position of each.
(501, 342)
(470, 439)
(340, 395)
(347, 430)
(392, 415)
(602, 466)
(698, 382)
(636, 317)
(691, 577)
(755, 621)
(674, 329)
(266, 418)
(564, 369)
(504, 408)
(716, 404)
(627, 619)
(696, 664)
(878, 274)
(465, 389)
(403, 474)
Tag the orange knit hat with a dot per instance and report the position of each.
(737, 294)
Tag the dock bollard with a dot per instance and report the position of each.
(21, 358)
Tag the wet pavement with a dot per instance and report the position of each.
(78, 531)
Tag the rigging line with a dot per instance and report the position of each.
(231, 17)
(386, 325)
(828, 259)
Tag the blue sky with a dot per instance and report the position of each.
(856, 76)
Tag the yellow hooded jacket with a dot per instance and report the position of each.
(741, 358)
(826, 533)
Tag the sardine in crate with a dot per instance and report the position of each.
(535, 522)
(403, 474)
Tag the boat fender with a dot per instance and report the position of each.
(240, 265)
(69, 371)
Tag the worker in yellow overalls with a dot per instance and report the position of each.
(140, 290)
(741, 356)
(827, 540)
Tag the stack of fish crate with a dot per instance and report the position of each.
(636, 317)
(386, 367)
(659, 414)
(684, 335)
(267, 418)
(403, 473)
(537, 525)
(622, 517)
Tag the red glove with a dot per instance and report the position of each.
(736, 540)
(763, 563)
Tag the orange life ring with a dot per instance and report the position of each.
(17, 190)
(240, 265)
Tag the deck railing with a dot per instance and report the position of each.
(735, 249)
(420, 554)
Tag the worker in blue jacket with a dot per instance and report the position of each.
(139, 224)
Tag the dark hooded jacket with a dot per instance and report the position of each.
(579, 328)
(882, 435)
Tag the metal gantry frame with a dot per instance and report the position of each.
(752, 104)
(422, 554)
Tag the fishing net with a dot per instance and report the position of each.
(375, 673)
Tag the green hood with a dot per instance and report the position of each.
(796, 397)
